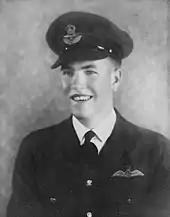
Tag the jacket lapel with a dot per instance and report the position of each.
(69, 141)
(116, 153)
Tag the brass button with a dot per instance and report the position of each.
(89, 214)
(52, 199)
(89, 182)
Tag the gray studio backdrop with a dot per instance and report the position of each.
(30, 92)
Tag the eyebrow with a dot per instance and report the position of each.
(83, 67)
(88, 66)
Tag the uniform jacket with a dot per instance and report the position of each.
(131, 178)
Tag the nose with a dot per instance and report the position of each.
(78, 79)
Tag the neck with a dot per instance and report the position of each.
(92, 122)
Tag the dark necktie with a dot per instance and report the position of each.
(89, 150)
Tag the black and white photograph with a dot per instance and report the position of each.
(84, 108)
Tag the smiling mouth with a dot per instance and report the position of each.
(81, 98)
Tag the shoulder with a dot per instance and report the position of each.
(140, 133)
(145, 140)
(44, 137)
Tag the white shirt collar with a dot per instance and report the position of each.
(79, 128)
(103, 130)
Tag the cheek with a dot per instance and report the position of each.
(102, 87)
(66, 85)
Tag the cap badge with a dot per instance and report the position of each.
(128, 173)
(71, 37)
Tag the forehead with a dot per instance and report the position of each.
(95, 64)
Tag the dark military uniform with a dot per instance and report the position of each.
(131, 177)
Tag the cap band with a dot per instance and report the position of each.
(78, 52)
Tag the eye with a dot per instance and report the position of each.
(90, 72)
(68, 72)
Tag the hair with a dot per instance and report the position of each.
(115, 62)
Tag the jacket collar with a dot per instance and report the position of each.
(116, 145)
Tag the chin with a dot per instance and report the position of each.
(82, 114)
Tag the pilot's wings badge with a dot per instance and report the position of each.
(128, 173)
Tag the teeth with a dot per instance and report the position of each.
(81, 98)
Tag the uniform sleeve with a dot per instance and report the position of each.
(158, 202)
(24, 200)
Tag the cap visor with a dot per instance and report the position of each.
(69, 57)
(56, 64)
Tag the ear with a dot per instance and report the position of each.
(116, 76)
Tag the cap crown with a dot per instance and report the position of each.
(81, 30)
(82, 26)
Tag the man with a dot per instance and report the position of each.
(94, 163)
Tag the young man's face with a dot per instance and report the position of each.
(89, 87)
